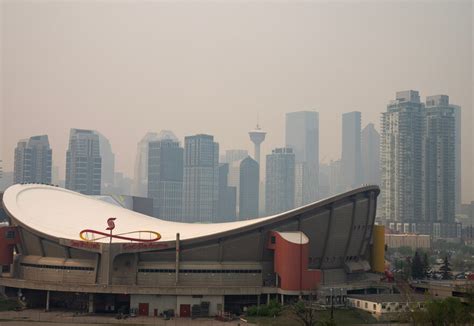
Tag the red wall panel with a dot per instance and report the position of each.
(9, 236)
(291, 264)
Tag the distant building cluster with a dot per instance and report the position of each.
(415, 159)
(411, 240)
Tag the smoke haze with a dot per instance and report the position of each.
(208, 67)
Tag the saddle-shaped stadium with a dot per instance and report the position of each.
(221, 266)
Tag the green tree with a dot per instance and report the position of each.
(417, 267)
(426, 265)
(406, 271)
(405, 251)
(273, 308)
(446, 269)
(304, 310)
(304, 313)
(450, 311)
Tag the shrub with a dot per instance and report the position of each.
(272, 309)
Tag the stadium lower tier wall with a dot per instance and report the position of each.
(155, 305)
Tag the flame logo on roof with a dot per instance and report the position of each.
(141, 236)
(111, 224)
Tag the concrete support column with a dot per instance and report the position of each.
(47, 300)
(282, 299)
(91, 303)
(268, 299)
(106, 261)
(177, 259)
(258, 300)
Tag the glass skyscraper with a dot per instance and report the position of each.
(280, 181)
(302, 136)
(201, 179)
(351, 150)
(83, 162)
(33, 160)
(165, 178)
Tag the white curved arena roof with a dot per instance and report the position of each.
(64, 214)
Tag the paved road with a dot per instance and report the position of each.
(24, 318)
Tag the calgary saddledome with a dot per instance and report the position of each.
(56, 252)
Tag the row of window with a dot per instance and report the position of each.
(212, 271)
(358, 227)
(314, 260)
(69, 268)
(395, 306)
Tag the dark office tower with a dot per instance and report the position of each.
(401, 158)
(83, 162)
(350, 157)
(201, 178)
(439, 165)
(302, 136)
(108, 163)
(248, 189)
(165, 178)
(280, 181)
(370, 154)
(33, 160)
(226, 206)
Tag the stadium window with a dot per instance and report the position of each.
(273, 239)
(10, 234)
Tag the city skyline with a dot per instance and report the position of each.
(145, 96)
(199, 161)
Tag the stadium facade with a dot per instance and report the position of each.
(226, 266)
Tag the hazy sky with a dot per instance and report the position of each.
(192, 67)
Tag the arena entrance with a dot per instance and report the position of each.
(112, 303)
(237, 304)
